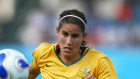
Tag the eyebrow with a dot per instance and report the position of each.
(72, 34)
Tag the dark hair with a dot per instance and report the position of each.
(73, 20)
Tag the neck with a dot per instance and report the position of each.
(69, 59)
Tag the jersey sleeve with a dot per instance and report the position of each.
(106, 69)
(37, 53)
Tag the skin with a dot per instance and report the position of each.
(88, 76)
(33, 73)
(70, 37)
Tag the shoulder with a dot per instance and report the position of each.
(42, 49)
(96, 54)
(99, 57)
(44, 46)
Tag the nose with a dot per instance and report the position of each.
(69, 40)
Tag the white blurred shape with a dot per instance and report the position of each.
(107, 8)
(7, 8)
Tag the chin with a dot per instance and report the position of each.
(67, 54)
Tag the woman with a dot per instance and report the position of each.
(70, 58)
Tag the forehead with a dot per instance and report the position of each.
(71, 28)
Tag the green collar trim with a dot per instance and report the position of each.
(73, 62)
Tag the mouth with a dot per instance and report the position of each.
(67, 49)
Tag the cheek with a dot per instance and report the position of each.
(77, 42)
(61, 39)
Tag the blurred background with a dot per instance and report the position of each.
(113, 28)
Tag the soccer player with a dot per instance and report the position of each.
(70, 58)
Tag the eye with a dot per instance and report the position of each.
(65, 33)
(75, 35)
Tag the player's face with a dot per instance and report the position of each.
(70, 37)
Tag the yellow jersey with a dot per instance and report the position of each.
(46, 58)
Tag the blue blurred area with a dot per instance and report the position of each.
(126, 59)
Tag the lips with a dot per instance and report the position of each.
(67, 49)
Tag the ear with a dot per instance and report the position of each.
(85, 35)
(57, 31)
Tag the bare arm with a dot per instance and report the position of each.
(33, 73)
